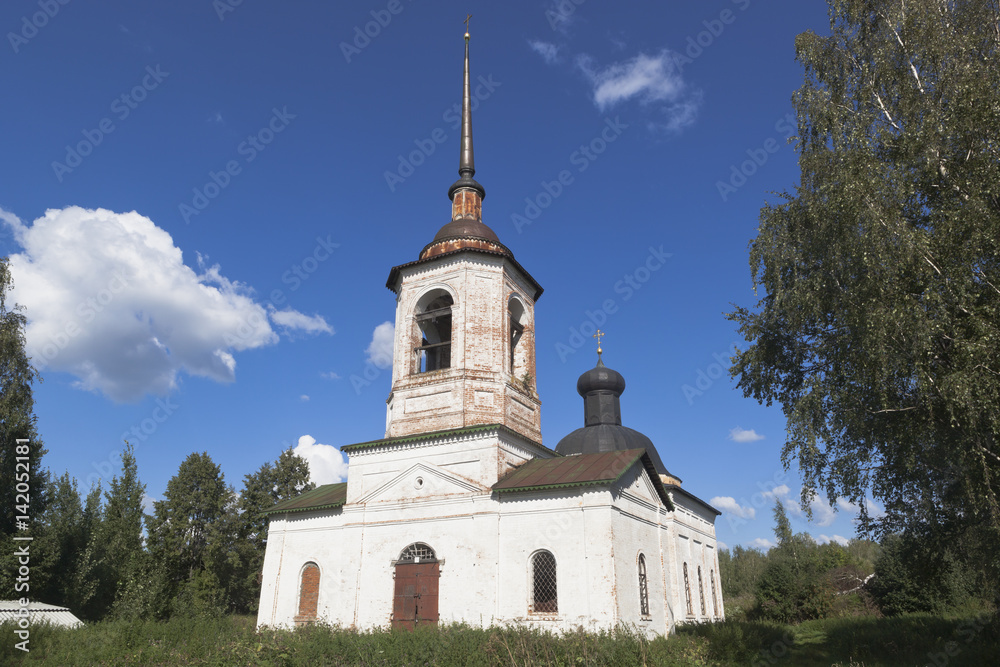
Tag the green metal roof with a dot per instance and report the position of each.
(322, 497)
(580, 470)
(428, 436)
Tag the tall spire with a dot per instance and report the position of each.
(466, 228)
(466, 162)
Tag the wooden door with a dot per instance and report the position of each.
(415, 601)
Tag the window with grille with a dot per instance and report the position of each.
(701, 592)
(687, 592)
(544, 598)
(434, 322)
(715, 600)
(643, 590)
(418, 552)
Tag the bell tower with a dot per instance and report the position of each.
(464, 352)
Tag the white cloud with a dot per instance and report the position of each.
(326, 464)
(304, 397)
(650, 79)
(762, 543)
(874, 509)
(742, 435)
(721, 545)
(682, 113)
(847, 506)
(329, 376)
(823, 514)
(826, 539)
(147, 503)
(379, 351)
(110, 300)
(548, 51)
(293, 319)
(783, 493)
(727, 504)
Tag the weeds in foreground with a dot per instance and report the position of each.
(233, 640)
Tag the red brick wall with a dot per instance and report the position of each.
(308, 594)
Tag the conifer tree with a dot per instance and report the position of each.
(18, 438)
(183, 529)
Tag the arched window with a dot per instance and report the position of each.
(308, 594)
(544, 597)
(687, 592)
(701, 592)
(433, 318)
(643, 587)
(516, 318)
(418, 552)
(715, 600)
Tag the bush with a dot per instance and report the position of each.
(794, 586)
(911, 576)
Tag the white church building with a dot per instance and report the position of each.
(460, 514)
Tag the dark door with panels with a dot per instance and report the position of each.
(415, 599)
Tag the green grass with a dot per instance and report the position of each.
(232, 640)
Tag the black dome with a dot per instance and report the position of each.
(601, 378)
(601, 389)
(609, 438)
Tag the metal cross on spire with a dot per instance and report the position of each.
(599, 335)
(466, 22)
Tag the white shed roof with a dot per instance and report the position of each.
(39, 612)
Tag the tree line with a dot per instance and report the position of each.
(200, 551)
(800, 580)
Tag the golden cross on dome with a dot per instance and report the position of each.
(466, 22)
(599, 335)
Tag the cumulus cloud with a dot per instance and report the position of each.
(720, 544)
(762, 543)
(304, 397)
(650, 79)
(823, 514)
(728, 504)
(826, 539)
(548, 51)
(379, 351)
(784, 494)
(329, 376)
(326, 464)
(742, 435)
(110, 300)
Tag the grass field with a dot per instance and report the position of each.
(867, 641)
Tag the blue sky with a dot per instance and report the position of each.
(202, 201)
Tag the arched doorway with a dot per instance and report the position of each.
(415, 600)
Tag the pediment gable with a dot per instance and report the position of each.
(422, 481)
(638, 485)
